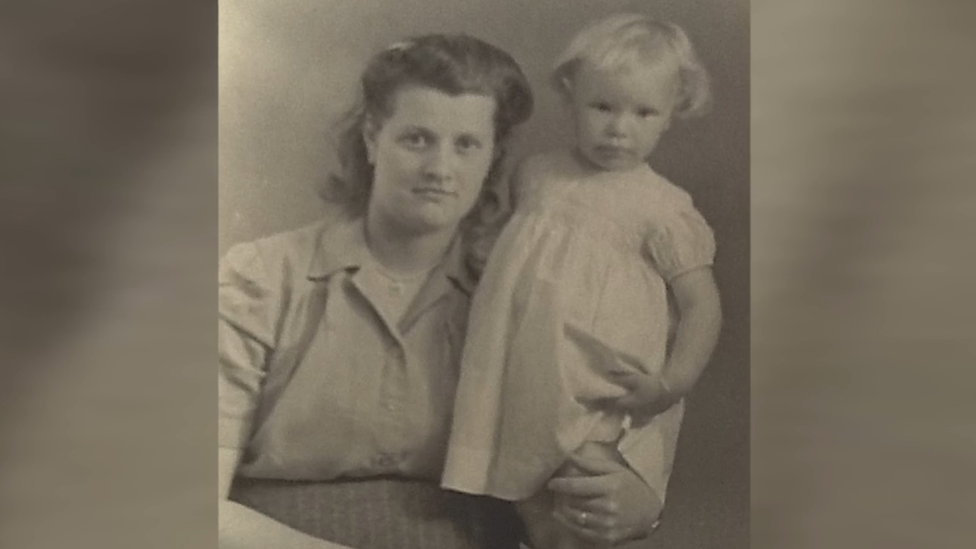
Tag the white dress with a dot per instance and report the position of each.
(575, 288)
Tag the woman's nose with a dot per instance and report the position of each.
(440, 162)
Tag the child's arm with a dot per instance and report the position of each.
(699, 322)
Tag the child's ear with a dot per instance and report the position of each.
(562, 85)
(565, 87)
(566, 90)
(667, 122)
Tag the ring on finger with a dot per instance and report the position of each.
(583, 518)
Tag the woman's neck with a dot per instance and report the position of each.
(401, 251)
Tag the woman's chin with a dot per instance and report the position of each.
(428, 220)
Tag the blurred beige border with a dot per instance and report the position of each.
(863, 270)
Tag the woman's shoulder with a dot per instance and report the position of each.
(530, 174)
(550, 164)
(281, 253)
(301, 241)
(538, 171)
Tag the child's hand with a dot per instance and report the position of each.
(648, 396)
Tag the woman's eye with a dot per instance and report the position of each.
(468, 144)
(602, 107)
(647, 113)
(415, 140)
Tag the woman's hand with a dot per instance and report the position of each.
(610, 505)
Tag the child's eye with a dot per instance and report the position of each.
(601, 107)
(647, 112)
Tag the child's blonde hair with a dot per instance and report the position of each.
(625, 40)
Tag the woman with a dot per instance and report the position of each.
(339, 342)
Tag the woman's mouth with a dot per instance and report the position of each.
(433, 193)
(613, 151)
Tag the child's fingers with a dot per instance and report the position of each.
(627, 380)
(632, 362)
(627, 402)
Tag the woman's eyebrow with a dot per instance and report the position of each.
(476, 135)
(416, 128)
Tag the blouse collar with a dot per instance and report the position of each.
(342, 245)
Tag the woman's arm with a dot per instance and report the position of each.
(248, 303)
(244, 338)
(243, 528)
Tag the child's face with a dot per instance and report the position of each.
(620, 114)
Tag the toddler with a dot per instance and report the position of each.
(597, 310)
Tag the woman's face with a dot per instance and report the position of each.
(430, 158)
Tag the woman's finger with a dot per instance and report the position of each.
(595, 467)
(598, 528)
(581, 487)
(597, 511)
(584, 532)
(596, 506)
(601, 522)
(597, 522)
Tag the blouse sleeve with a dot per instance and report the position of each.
(244, 338)
(681, 242)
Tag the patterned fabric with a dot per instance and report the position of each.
(384, 513)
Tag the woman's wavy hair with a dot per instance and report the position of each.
(451, 63)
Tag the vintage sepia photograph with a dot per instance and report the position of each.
(484, 274)
(545, 274)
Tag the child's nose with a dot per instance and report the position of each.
(618, 126)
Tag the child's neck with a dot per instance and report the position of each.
(589, 168)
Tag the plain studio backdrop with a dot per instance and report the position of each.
(288, 68)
